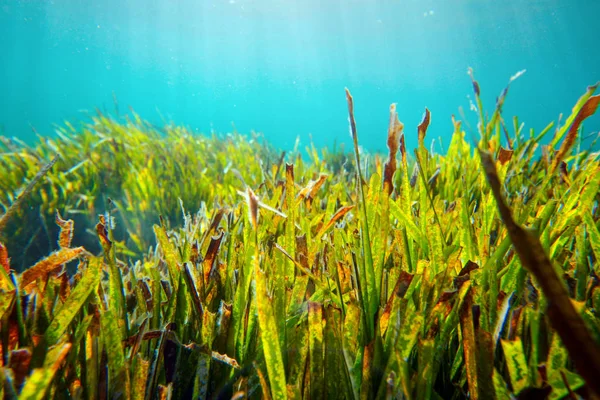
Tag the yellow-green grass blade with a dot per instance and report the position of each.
(316, 346)
(412, 230)
(594, 237)
(371, 298)
(557, 366)
(139, 378)
(516, 363)
(269, 334)
(7, 292)
(336, 374)
(76, 300)
(117, 364)
(39, 381)
(169, 253)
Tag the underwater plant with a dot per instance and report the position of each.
(132, 170)
(406, 280)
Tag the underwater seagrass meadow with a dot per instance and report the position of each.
(140, 262)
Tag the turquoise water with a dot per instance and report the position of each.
(280, 67)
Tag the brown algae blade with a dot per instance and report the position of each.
(66, 231)
(588, 109)
(394, 134)
(582, 348)
(422, 128)
(560, 131)
(339, 214)
(49, 265)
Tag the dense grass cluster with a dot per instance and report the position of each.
(133, 170)
(339, 277)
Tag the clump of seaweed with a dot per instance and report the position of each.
(132, 171)
(406, 280)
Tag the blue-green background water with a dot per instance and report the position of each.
(280, 66)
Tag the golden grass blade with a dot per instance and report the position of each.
(309, 192)
(7, 288)
(4, 260)
(48, 265)
(339, 214)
